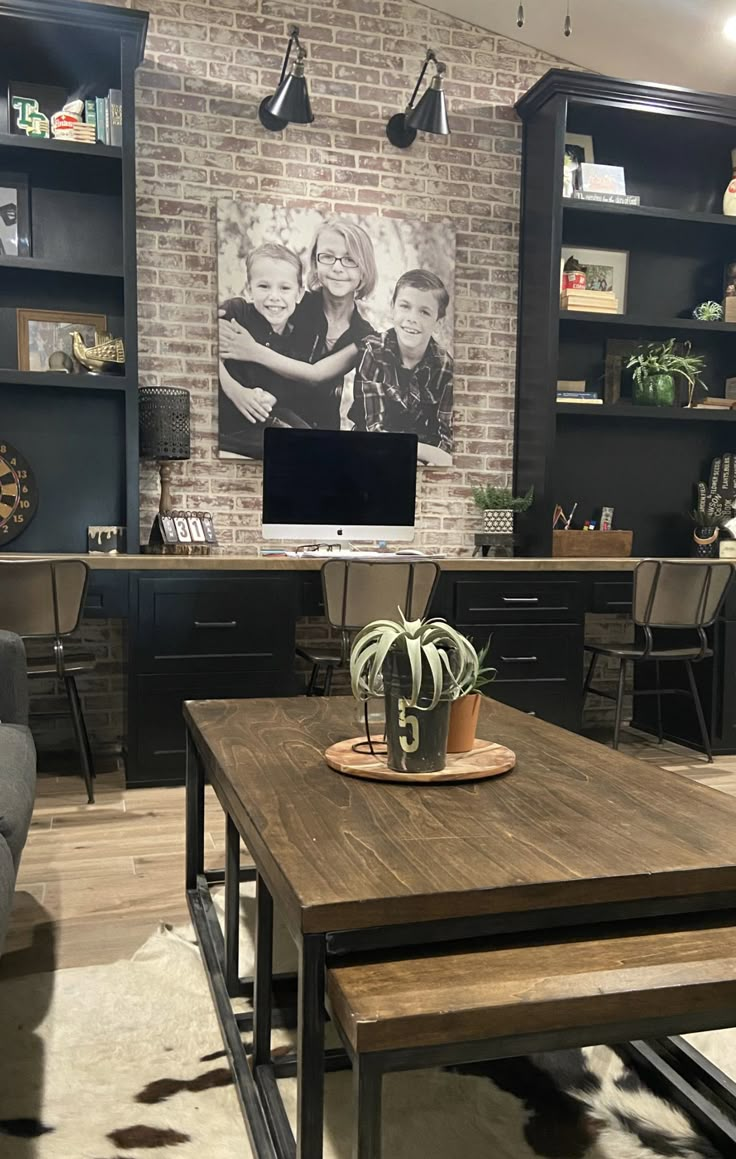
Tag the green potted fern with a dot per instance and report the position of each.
(657, 365)
(419, 667)
(499, 506)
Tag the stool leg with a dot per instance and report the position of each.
(589, 677)
(619, 703)
(660, 733)
(312, 685)
(327, 690)
(699, 710)
(367, 1088)
(80, 732)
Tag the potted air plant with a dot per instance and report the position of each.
(499, 507)
(656, 367)
(465, 709)
(419, 666)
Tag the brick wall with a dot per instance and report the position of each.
(209, 64)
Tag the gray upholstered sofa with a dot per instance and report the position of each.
(17, 768)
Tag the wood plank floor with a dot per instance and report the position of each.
(95, 880)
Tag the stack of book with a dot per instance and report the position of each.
(105, 114)
(595, 301)
(575, 392)
(720, 403)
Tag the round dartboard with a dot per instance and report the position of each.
(18, 493)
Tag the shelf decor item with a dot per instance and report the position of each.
(578, 148)
(602, 179)
(708, 312)
(419, 666)
(165, 437)
(44, 333)
(15, 216)
(465, 709)
(499, 507)
(729, 197)
(655, 368)
(105, 354)
(606, 271)
(716, 504)
(18, 493)
(66, 120)
(106, 540)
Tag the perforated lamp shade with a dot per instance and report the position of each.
(430, 115)
(164, 423)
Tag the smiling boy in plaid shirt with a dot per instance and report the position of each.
(404, 378)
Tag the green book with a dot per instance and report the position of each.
(90, 111)
(100, 120)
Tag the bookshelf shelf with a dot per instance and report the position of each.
(622, 410)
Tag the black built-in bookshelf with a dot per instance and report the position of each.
(78, 432)
(675, 146)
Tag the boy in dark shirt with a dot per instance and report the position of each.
(404, 379)
(252, 397)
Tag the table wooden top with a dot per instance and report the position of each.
(575, 824)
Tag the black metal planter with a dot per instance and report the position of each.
(416, 736)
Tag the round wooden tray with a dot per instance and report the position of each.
(486, 759)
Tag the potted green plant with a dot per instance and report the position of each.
(657, 365)
(499, 507)
(465, 709)
(419, 666)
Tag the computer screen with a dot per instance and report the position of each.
(320, 485)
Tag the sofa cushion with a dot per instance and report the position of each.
(17, 786)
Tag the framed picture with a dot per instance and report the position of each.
(15, 216)
(605, 270)
(578, 150)
(42, 333)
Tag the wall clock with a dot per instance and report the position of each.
(18, 493)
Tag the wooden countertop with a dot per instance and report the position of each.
(225, 562)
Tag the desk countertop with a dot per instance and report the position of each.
(223, 562)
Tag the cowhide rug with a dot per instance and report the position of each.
(125, 1061)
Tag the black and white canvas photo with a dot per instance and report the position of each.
(334, 323)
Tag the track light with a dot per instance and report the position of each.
(429, 116)
(290, 102)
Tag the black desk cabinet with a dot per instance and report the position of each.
(198, 635)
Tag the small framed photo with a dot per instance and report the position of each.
(15, 216)
(602, 179)
(43, 333)
(195, 528)
(578, 151)
(605, 270)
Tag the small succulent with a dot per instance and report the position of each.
(490, 498)
(708, 312)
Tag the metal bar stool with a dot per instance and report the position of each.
(43, 599)
(356, 592)
(672, 595)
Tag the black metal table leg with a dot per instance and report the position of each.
(232, 907)
(310, 1047)
(194, 815)
(367, 1090)
(263, 975)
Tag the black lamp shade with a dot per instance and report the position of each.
(430, 115)
(164, 422)
(291, 102)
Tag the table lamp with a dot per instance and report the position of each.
(164, 437)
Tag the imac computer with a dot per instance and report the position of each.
(334, 486)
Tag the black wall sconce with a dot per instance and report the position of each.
(290, 102)
(429, 116)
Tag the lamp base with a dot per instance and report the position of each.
(399, 133)
(273, 124)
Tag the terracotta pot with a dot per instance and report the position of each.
(463, 723)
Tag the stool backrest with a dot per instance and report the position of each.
(356, 592)
(42, 597)
(679, 594)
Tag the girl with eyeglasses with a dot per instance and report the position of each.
(327, 322)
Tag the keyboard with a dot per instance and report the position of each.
(358, 555)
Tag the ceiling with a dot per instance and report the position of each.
(676, 42)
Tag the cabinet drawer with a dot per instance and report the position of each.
(516, 600)
(107, 595)
(549, 700)
(535, 653)
(156, 752)
(612, 596)
(208, 623)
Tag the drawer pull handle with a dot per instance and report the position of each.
(215, 623)
(520, 659)
(520, 599)
(618, 603)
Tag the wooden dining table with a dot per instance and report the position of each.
(577, 835)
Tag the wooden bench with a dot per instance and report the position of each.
(442, 1009)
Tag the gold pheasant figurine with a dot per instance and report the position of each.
(106, 353)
